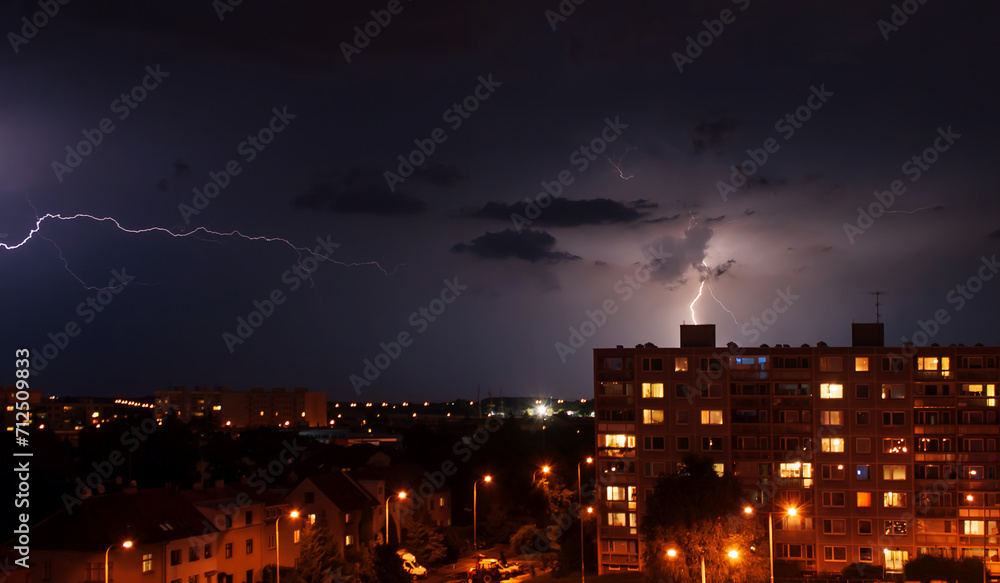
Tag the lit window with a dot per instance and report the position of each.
(619, 440)
(616, 493)
(296, 535)
(864, 472)
(895, 527)
(147, 563)
(974, 527)
(831, 417)
(864, 499)
(652, 390)
(831, 391)
(893, 445)
(711, 417)
(894, 500)
(893, 472)
(680, 364)
(616, 519)
(832, 444)
(650, 416)
(711, 444)
(348, 540)
(896, 391)
(861, 364)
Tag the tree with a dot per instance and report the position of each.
(319, 557)
(380, 564)
(425, 540)
(925, 568)
(698, 514)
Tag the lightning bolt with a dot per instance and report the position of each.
(923, 208)
(234, 233)
(711, 291)
(695, 301)
(618, 164)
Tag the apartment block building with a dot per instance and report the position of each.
(886, 453)
(256, 407)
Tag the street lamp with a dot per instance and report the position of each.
(107, 574)
(277, 545)
(791, 511)
(969, 498)
(579, 483)
(732, 554)
(401, 496)
(475, 533)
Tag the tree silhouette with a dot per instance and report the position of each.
(697, 513)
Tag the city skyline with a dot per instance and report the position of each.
(405, 202)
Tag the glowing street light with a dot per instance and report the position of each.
(400, 496)
(277, 545)
(791, 511)
(579, 483)
(107, 574)
(733, 554)
(475, 533)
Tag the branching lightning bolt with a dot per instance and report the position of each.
(618, 164)
(711, 291)
(234, 233)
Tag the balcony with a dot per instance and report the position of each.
(977, 375)
(748, 375)
(616, 452)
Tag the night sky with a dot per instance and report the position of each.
(617, 127)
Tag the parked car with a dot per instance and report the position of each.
(410, 564)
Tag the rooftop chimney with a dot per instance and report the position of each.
(697, 335)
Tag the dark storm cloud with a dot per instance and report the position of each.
(721, 268)
(644, 204)
(663, 219)
(994, 234)
(713, 134)
(533, 246)
(563, 212)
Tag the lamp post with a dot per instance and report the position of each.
(544, 469)
(733, 554)
(107, 572)
(579, 483)
(475, 532)
(400, 496)
(277, 545)
(970, 498)
(792, 511)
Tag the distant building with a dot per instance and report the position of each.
(253, 408)
(886, 453)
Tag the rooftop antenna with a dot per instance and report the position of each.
(877, 303)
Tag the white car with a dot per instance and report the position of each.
(410, 564)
